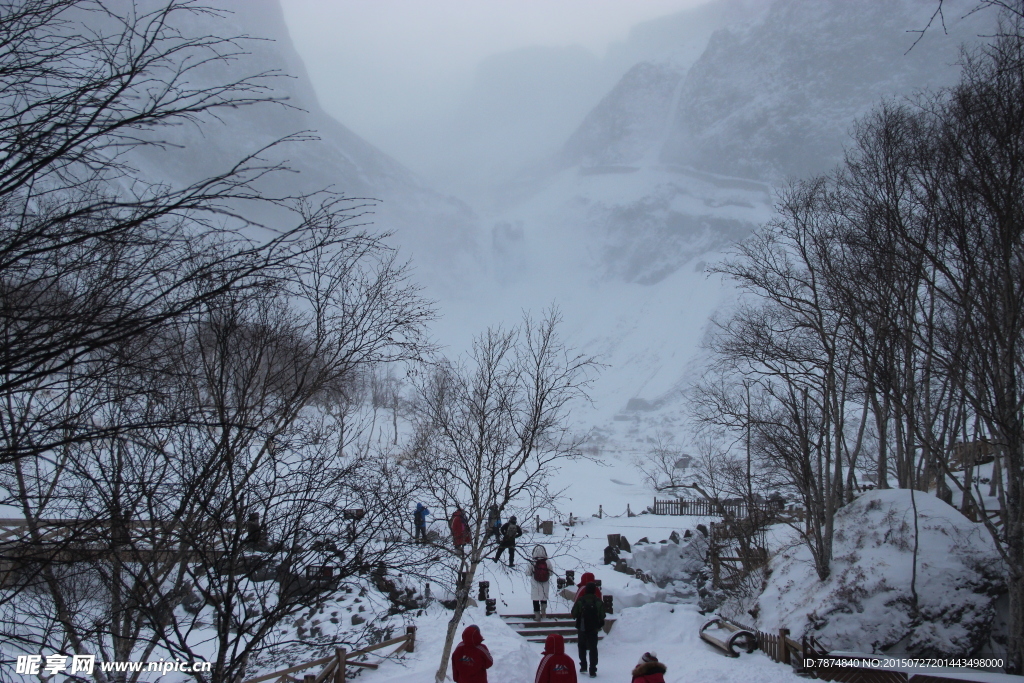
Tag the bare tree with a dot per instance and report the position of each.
(229, 420)
(491, 429)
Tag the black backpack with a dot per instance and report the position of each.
(512, 532)
(540, 570)
(590, 614)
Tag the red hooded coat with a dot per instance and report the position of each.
(460, 530)
(582, 586)
(556, 666)
(471, 658)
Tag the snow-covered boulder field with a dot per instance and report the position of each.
(865, 604)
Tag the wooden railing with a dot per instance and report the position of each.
(336, 665)
(707, 508)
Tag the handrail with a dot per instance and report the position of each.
(341, 657)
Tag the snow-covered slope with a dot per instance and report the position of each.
(865, 605)
(676, 162)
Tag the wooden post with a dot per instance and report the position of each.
(309, 678)
(783, 646)
(339, 671)
(600, 511)
(715, 567)
(410, 633)
(538, 524)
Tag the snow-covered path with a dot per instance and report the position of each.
(665, 621)
(669, 630)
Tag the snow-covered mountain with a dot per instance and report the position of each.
(703, 110)
(777, 98)
(438, 231)
(677, 161)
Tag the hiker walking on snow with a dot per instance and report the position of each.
(540, 570)
(494, 523)
(649, 669)
(589, 614)
(460, 530)
(556, 666)
(419, 519)
(510, 531)
(471, 658)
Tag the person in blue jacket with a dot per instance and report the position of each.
(419, 518)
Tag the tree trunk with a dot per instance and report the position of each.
(1015, 639)
(461, 598)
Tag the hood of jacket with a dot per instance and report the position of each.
(554, 645)
(472, 635)
(539, 551)
(648, 668)
(585, 579)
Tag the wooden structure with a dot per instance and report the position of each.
(733, 635)
(707, 508)
(335, 666)
(561, 623)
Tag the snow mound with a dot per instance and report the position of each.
(865, 604)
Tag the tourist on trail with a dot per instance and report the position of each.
(589, 615)
(471, 658)
(460, 530)
(419, 519)
(649, 669)
(555, 666)
(510, 531)
(587, 577)
(540, 570)
(494, 523)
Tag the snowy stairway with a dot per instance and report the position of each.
(538, 631)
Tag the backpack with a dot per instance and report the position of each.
(590, 614)
(512, 532)
(540, 570)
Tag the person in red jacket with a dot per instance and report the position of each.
(556, 666)
(471, 658)
(649, 669)
(582, 585)
(460, 530)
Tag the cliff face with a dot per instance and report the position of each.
(777, 98)
(437, 231)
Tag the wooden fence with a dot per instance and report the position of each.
(706, 508)
(335, 666)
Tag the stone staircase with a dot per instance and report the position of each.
(562, 624)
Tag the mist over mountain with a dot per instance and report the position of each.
(603, 184)
(438, 231)
(777, 98)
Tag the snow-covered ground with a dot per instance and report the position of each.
(669, 630)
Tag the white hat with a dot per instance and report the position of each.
(647, 657)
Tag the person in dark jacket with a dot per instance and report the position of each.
(471, 658)
(494, 523)
(649, 669)
(419, 519)
(556, 666)
(588, 611)
(510, 531)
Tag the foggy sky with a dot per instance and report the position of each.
(382, 65)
